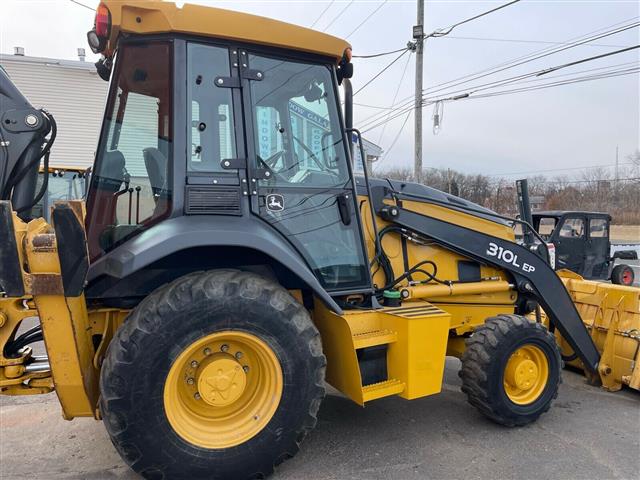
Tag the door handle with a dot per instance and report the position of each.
(344, 207)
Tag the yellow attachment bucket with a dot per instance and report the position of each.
(611, 313)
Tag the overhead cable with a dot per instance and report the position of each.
(366, 19)
(322, 14)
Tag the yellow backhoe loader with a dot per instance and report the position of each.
(227, 262)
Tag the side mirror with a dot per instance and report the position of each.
(345, 70)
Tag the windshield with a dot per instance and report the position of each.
(297, 135)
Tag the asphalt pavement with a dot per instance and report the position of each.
(588, 434)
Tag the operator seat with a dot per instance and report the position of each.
(156, 164)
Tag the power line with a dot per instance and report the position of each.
(372, 106)
(375, 119)
(83, 5)
(373, 125)
(394, 140)
(514, 40)
(572, 42)
(445, 31)
(605, 74)
(537, 57)
(381, 72)
(576, 41)
(375, 55)
(555, 84)
(600, 180)
(559, 169)
(366, 19)
(322, 14)
(538, 73)
(395, 95)
(338, 16)
(596, 57)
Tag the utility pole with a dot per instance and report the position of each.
(418, 35)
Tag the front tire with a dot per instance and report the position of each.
(511, 370)
(218, 375)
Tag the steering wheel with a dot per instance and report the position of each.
(273, 159)
(270, 164)
(312, 155)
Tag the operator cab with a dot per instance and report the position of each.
(227, 133)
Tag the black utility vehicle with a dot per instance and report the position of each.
(582, 244)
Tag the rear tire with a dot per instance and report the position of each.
(622, 275)
(139, 403)
(505, 351)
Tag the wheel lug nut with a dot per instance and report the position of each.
(190, 381)
(196, 396)
(194, 364)
(207, 351)
(239, 355)
(246, 369)
(224, 348)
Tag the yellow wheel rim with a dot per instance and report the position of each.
(526, 375)
(223, 389)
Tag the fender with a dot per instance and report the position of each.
(184, 232)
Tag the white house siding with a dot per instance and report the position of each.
(73, 93)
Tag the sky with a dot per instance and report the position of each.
(556, 131)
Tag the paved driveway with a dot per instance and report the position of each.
(587, 434)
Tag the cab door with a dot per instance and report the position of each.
(300, 180)
(570, 243)
(597, 249)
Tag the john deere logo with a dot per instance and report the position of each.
(275, 202)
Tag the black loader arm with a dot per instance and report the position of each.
(532, 274)
(23, 143)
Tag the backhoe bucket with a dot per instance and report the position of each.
(611, 313)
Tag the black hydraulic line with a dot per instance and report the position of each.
(32, 335)
(45, 151)
(45, 166)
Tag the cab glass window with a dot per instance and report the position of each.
(131, 186)
(212, 129)
(598, 228)
(572, 228)
(546, 226)
(297, 135)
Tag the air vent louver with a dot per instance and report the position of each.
(212, 200)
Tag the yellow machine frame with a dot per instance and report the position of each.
(154, 16)
(432, 322)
